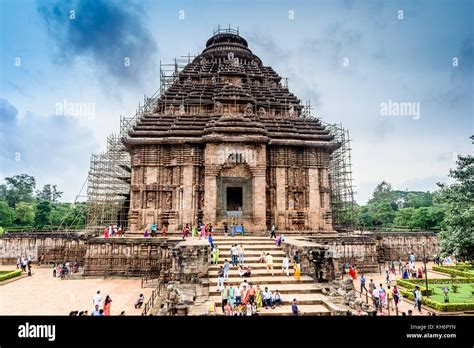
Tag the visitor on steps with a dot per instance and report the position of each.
(241, 254)
(244, 286)
(139, 301)
(220, 278)
(203, 231)
(294, 308)
(164, 230)
(215, 255)
(269, 260)
(251, 294)
(277, 301)
(278, 241)
(285, 266)
(226, 269)
(273, 234)
(224, 297)
(263, 257)
(376, 298)
(228, 309)
(258, 297)
(382, 297)
(194, 231)
(238, 296)
(267, 298)
(297, 271)
(232, 230)
(296, 258)
(210, 240)
(96, 311)
(231, 296)
(245, 273)
(234, 253)
(226, 229)
(153, 230)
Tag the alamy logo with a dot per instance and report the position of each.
(37, 331)
(392, 108)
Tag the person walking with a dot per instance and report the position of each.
(362, 285)
(107, 303)
(285, 266)
(297, 271)
(269, 259)
(97, 299)
(376, 298)
(234, 253)
(232, 230)
(226, 270)
(231, 296)
(418, 298)
(241, 254)
(220, 278)
(226, 229)
(389, 298)
(224, 297)
(273, 233)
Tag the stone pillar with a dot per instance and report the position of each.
(210, 184)
(259, 200)
(187, 212)
(280, 174)
(314, 199)
(326, 203)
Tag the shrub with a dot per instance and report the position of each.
(453, 271)
(10, 274)
(443, 307)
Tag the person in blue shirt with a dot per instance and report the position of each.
(294, 308)
(96, 310)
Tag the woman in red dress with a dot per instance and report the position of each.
(107, 304)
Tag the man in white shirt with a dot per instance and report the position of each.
(376, 298)
(97, 299)
(286, 265)
(267, 298)
(269, 260)
(234, 253)
(96, 310)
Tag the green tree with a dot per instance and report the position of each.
(24, 214)
(382, 213)
(382, 192)
(458, 202)
(18, 188)
(43, 214)
(404, 217)
(6, 214)
(49, 193)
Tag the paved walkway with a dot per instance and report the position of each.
(406, 304)
(42, 294)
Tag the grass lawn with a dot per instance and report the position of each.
(463, 295)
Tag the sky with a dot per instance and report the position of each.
(353, 60)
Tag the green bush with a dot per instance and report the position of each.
(453, 271)
(411, 283)
(9, 274)
(443, 307)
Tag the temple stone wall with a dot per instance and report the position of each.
(168, 260)
(400, 244)
(56, 247)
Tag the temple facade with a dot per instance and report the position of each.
(228, 142)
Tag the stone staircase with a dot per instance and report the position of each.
(308, 293)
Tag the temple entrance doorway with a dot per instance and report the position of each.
(234, 199)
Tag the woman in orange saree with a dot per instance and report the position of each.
(107, 303)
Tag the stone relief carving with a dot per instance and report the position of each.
(182, 110)
(262, 112)
(168, 200)
(248, 110)
(218, 108)
(171, 109)
(291, 112)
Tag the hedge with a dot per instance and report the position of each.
(11, 274)
(411, 283)
(453, 271)
(443, 307)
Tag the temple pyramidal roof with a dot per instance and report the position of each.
(226, 94)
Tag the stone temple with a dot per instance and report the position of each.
(227, 141)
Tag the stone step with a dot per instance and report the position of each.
(253, 265)
(258, 246)
(277, 259)
(263, 280)
(303, 299)
(266, 241)
(258, 253)
(305, 288)
(234, 272)
(306, 310)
